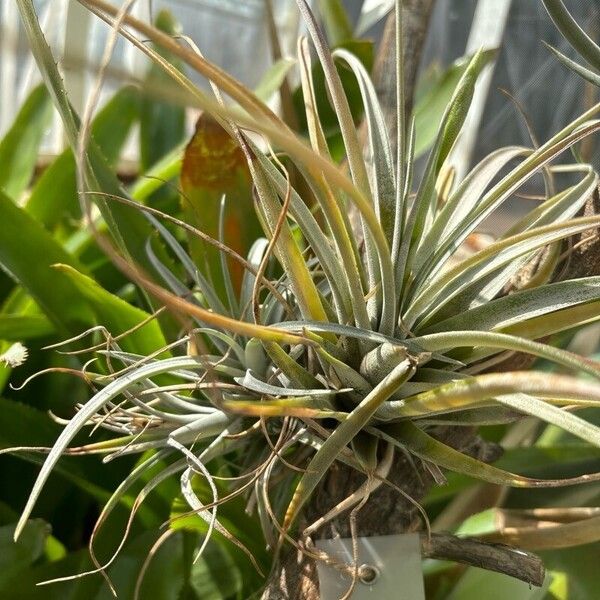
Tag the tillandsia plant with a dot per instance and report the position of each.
(349, 333)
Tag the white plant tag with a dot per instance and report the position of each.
(396, 568)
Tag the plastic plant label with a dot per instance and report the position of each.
(391, 568)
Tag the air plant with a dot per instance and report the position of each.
(345, 339)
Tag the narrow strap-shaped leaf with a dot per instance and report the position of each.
(422, 210)
(587, 74)
(318, 241)
(572, 32)
(117, 315)
(112, 390)
(382, 179)
(212, 300)
(557, 321)
(456, 280)
(349, 260)
(359, 334)
(354, 154)
(567, 205)
(294, 371)
(342, 435)
(562, 206)
(574, 132)
(462, 202)
(442, 342)
(302, 407)
(315, 128)
(340, 102)
(513, 389)
(410, 437)
(520, 306)
(347, 375)
(252, 383)
(286, 247)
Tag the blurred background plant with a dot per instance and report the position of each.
(42, 226)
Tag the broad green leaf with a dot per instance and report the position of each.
(430, 106)
(54, 195)
(167, 168)
(213, 166)
(117, 315)
(162, 123)
(16, 557)
(164, 577)
(272, 80)
(216, 574)
(130, 229)
(27, 252)
(37, 429)
(578, 574)
(23, 585)
(19, 148)
(15, 327)
(336, 21)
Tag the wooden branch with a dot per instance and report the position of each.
(522, 565)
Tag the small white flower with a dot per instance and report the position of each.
(15, 356)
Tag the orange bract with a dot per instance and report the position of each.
(212, 158)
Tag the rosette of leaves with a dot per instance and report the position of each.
(344, 339)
